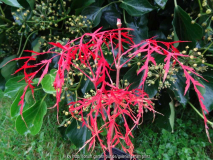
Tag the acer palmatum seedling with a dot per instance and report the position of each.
(84, 56)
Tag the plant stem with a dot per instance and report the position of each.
(201, 9)
(175, 1)
(119, 55)
(6, 20)
(37, 89)
(78, 86)
(26, 43)
(62, 19)
(211, 123)
(10, 28)
(55, 28)
(207, 48)
(62, 5)
(118, 67)
(35, 21)
(43, 97)
(76, 95)
(210, 65)
(20, 44)
(2, 12)
(55, 20)
(110, 4)
(124, 17)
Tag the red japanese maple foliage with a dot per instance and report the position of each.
(110, 101)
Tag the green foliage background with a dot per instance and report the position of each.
(30, 25)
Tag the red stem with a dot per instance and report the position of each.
(118, 64)
(118, 67)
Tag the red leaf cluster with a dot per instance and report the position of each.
(101, 105)
(89, 47)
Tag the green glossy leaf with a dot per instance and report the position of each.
(158, 34)
(47, 82)
(98, 3)
(93, 13)
(36, 45)
(109, 58)
(15, 108)
(80, 5)
(6, 59)
(13, 3)
(86, 86)
(134, 79)
(13, 85)
(184, 29)
(8, 70)
(140, 29)
(176, 39)
(29, 97)
(161, 3)
(53, 72)
(31, 3)
(178, 89)
(166, 25)
(163, 106)
(110, 15)
(207, 92)
(77, 136)
(137, 7)
(33, 117)
(35, 81)
(159, 58)
(62, 131)
(152, 89)
(172, 115)
(2, 82)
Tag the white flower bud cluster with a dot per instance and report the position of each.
(156, 74)
(195, 59)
